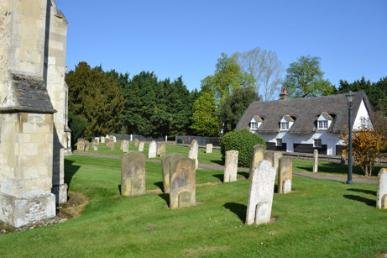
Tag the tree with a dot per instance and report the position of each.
(265, 67)
(228, 77)
(234, 107)
(305, 79)
(366, 146)
(97, 97)
(205, 121)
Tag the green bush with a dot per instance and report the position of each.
(242, 141)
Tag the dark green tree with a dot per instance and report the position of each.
(305, 78)
(234, 107)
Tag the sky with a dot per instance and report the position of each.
(185, 38)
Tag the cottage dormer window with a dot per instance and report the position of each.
(255, 123)
(324, 121)
(286, 123)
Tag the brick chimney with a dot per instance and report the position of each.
(284, 93)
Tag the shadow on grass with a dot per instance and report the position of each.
(217, 161)
(70, 171)
(246, 175)
(237, 208)
(165, 197)
(362, 191)
(219, 176)
(159, 185)
(119, 188)
(367, 201)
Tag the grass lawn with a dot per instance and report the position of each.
(319, 219)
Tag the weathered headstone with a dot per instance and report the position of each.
(152, 151)
(132, 174)
(259, 151)
(182, 183)
(110, 144)
(136, 142)
(87, 145)
(381, 200)
(95, 147)
(166, 164)
(96, 140)
(161, 149)
(209, 148)
(113, 138)
(81, 145)
(193, 152)
(102, 139)
(285, 175)
(125, 146)
(141, 146)
(231, 166)
(261, 194)
(315, 161)
(273, 157)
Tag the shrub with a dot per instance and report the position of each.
(242, 141)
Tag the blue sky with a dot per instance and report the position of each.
(184, 38)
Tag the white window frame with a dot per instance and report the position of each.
(276, 142)
(254, 125)
(322, 124)
(314, 143)
(284, 126)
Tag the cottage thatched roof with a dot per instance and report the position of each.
(305, 112)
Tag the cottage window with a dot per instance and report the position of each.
(284, 125)
(317, 143)
(278, 142)
(364, 122)
(253, 125)
(323, 124)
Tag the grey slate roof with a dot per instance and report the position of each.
(31, 95)
(305, 111)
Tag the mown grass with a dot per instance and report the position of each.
(319, 219)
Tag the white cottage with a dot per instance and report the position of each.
(305, 124)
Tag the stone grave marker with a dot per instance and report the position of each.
(161, 149)
(152, 151)
(285, 175)
(315, 161)
(261, 194)
(132, 174)
(231, 166)
(259, 151)
(209, 148)
(193, 152)
(125, 146)
(273, 157)
(166, 165)
(141, 146)
(182, 183)
(381, 201)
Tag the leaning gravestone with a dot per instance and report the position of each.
(141, 146)
(81, 145)
(209, 148)
(261, 194)
(315, 161)
(161, 149)
(381, 201)
(152, 151)
(231, 166)
(285, 175)
(193, 152)
(182, 183)
(132, 174)
(125, 146)
(273, 157)
(259, 150)
(166, 164)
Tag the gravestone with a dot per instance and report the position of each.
(381, 200)
(259, 151)
(96, 140)
(193, 152)
(81, 145)
(182, 183)
(209, 148)
(110, 144)
(166, 164)
(273, 157)
(285, 175)
(152, 151)
(136, 142)
(87, 145)
(132, 174)
(161, 149)
(102, 139)
(315, 161)
(95, 147)
(141, 146)
(231, 166)
(113, 138)
(261, 194)
(125, 146)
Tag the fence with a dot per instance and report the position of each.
(132, 137)
(200, 139)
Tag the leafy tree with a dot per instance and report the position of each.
(78, 124)
(265, 67)
(205, 121)
(305, 78)
(96, 95)
(234, 107)
(366, 146)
